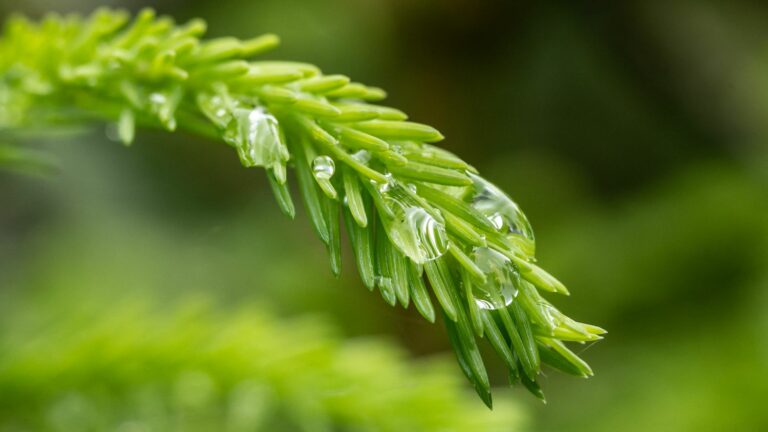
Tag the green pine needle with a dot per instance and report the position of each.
(412, 210)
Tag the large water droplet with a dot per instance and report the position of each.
(503, 213)
(323, 167)
(256, 136)
(416, 232)
(500, 288)
(428, 233)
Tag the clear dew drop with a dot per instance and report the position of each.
(499, 208)
(162, 107)
(500, 288)
(256, 136)
(429, 234)
(386, 186)
(362, 156)
(550, 314)
(218, 110)
(416, 232)
(323, 167)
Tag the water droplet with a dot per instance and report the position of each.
(163, 108)
(500, 288)
(550, 314)
(500, 210)
(323, 167)
(416, 232)
(386, 186)
(362, 156)
(216, 109)
(256, 136)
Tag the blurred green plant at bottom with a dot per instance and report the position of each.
(124, 362)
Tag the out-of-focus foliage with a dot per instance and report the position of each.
(78, 357)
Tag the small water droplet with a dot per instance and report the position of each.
(216, 109)
(500, 288)
(387, 185)
(416, 232)
(550, 314)
(323, 167)
(496, 220)
(503, 213)
(362, 156)
(163, 108)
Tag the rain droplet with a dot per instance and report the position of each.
(416, 232)
(500, 288)
(428, 232)
(323, 167)
(163, 108)
(386, 186)
(500, 210)
(256, 136)
(362, 156)
(550, 314)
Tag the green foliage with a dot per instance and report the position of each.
(412, 210)
(130, 363)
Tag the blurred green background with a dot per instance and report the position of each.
(633, 134)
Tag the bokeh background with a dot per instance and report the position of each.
(633, 134)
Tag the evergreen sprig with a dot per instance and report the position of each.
(413, 211)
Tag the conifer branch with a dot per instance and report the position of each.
(413, 211)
